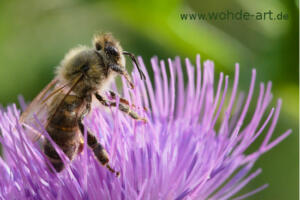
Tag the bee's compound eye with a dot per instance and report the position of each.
(98, 47)
(111, 50)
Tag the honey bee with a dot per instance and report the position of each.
(67, 99)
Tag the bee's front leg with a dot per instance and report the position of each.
(122, 72)
(98, 149)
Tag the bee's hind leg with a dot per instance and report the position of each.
(99, 151)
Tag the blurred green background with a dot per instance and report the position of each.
(35, 35)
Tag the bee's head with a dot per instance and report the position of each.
(106, 45)
(95, 64)
(109, 48)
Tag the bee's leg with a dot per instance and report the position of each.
(122, 72)
(122, 100)
(81, 145)
(98, 149)
(124, 108)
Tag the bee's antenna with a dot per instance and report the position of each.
(143, 77)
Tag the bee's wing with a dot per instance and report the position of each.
(38, 109)
(42, 105)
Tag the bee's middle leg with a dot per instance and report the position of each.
(123, 107)
(122, 100)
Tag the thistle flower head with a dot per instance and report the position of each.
(192, 146)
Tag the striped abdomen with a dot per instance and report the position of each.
(63, 128)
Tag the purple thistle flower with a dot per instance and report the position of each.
(192, 147)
